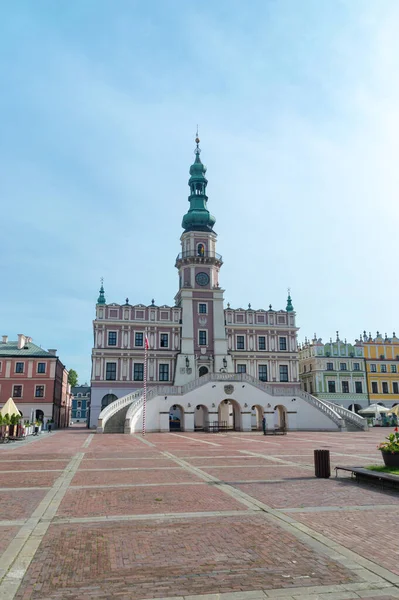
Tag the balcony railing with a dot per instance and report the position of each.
(198, 255)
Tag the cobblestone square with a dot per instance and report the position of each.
(165, 517)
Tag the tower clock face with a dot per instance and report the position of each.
(202, 278)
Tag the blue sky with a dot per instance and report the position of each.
(297, 104)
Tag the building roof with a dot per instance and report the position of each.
(29, 349)
(81, 389)
(198, 217)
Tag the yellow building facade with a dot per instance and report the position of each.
(381, 356)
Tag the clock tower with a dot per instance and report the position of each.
(203, 340)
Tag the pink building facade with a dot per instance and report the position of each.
(197, 334)
(36, 379)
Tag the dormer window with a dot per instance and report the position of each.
(200, 250)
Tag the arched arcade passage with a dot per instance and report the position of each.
(201, 417)
(176, 418)
(280, 417)
(256, 417)
(229, 414)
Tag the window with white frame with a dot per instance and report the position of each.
(164, 340)
(163, 372)
(283, 372)
(393, 368)
(262, 342)
(262, 372)
(110, 371)
(17, 391)
(202, 308)
(138, 372)
(139, 338)
(112, 338)
(41, 367)
(19, 367)
(202, 337)
(383, 368)
(283, 343)
(241, 368)
(39, 391)
(373, 368)
(240, 342)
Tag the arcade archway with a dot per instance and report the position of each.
(202, 371)
(280, 417)
(201, 417)
(229, 415)
(176, 418)
(256, 417)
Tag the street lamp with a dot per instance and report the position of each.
(187, 362)
(224, 362)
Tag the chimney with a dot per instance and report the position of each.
(5, 339)
(52, 352)
(21, 341)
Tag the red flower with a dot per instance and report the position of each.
(396, 429)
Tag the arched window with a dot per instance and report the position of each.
(200, 250)
(203, 371)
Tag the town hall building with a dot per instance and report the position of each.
(209, 367)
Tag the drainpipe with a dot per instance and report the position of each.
(367, 382)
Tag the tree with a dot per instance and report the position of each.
(73, 378)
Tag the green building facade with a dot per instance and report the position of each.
(334, 371)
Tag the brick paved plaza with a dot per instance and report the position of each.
(194, 516)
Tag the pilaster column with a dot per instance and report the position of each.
(189, 421)
(246, 421)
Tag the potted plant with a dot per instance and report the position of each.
(390, 449)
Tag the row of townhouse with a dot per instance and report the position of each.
(354, 375)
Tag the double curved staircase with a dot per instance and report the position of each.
(121, 416)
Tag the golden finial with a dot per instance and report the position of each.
(197, 140)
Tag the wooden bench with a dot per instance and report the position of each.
(362, 474)
(275, 431)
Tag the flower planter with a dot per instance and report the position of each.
(390, 459)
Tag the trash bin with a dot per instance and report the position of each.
(322, 463)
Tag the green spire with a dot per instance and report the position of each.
(198, 217)
(289, 307)
(101, 298)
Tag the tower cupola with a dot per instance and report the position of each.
(198, 217)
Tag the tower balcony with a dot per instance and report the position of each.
(193, 256)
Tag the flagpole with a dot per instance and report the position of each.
(145, 380)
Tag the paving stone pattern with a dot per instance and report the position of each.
(195, 516)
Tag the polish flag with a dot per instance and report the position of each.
(147, 344)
